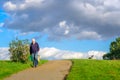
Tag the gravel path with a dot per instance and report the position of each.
(52, 70)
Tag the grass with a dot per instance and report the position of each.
(95, 70)
(7, 67)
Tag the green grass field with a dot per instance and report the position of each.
(7, 67)
(95, 70)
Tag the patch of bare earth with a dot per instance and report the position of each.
(52, 70)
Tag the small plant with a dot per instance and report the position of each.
(19, 50)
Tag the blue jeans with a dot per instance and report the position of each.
(35, 59)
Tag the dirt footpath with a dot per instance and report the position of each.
(52, 70)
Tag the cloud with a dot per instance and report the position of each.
(82, 19)
(54, 54)
(4, 54)
(63, 25)
(88, 34)
(10, 6)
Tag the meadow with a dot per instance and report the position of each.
(7, 67)
(94, 70)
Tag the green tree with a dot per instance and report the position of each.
(19, 50)
(114, 50)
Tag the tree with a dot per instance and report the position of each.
(19, 50)
(114, 50)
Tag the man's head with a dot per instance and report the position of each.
(33, 40)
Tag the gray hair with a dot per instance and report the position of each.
(33, 39)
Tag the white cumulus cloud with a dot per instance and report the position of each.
(4, 54)
(53, 53)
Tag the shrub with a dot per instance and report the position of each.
(19, 50)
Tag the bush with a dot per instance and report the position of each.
(19, 50)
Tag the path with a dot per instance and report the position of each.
(52, 70)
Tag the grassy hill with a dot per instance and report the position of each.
(80, 70)
(95, 70)
(7, 67)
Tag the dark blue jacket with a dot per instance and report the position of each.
(34, 48)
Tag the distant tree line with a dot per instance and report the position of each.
(114, 52)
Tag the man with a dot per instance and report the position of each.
(34, 48)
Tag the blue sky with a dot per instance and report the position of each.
(79, 26)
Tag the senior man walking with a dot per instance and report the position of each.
(34, 48)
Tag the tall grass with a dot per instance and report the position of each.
(95, 70)
(7, 67)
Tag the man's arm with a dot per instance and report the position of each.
(38, 48)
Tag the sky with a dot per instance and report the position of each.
(67, 25)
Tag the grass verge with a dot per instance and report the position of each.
(95, 70)
(7, 67)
